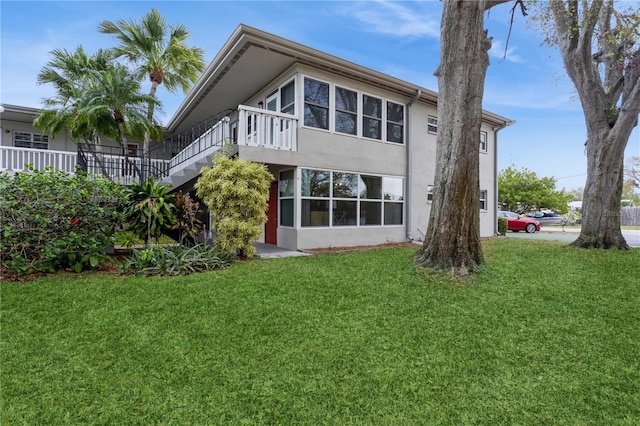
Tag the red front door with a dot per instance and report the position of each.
(271, 227)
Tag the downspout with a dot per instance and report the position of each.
(495, 170)
(409, 165)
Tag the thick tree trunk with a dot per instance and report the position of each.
(602, 194)
(603, 81)
(452, 241)
(146, 146)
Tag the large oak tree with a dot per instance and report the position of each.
(599, 47)
(452, 241)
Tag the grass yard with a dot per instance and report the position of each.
(546, 335)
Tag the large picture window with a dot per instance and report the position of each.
(350, 199)
(316, 104)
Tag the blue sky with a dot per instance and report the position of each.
(400, 38)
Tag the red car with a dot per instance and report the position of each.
(516, 223)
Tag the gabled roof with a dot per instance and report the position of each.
(251, 58)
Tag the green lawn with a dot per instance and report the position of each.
(546, 335)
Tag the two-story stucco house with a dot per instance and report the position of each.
(352, 150)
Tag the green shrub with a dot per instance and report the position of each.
(126, 239)
(55, 220)
(502, 225)
(176, 260)
(236, 191)
(149, 210)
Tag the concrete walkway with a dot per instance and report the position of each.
(269, 251)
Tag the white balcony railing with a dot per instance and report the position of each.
(266, 129)
(14, 159)
(119, 168)
(204, 146)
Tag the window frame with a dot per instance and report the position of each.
(385, 205)
(368, 117)
(390, 123)
(336, 111)
(36, 140)
(483, 200)
(291, 198)
(432, 124)
(484, 141)
(306, 103)
(332, 111)
(429, 193)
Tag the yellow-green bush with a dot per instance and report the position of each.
(236, 191)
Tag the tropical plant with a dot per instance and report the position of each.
(67, 72)
(158, 51)
(188, 226)
(54, 220)
(149, 210)
(176, 260)
(116, 93)
(236, 191)
(95, 97)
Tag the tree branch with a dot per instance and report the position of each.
(523, 9)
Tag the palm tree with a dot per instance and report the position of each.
(95, 97)
(67, 72)
(159, 51)
(116, 94)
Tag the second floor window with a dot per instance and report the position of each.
(371, 117)
(287, 98)
(432, 124)
(346, 111)
(30, 140)
(395, 122)
(316, 104)
(483, 141)
(342, 110)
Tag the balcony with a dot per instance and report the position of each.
(110, 162)
(252, 127)
(248, 126)
(14, 159)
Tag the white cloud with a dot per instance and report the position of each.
(391, 18)
(498, 51)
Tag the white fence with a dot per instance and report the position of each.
(14, 159)
(630, 216)
(118, 167)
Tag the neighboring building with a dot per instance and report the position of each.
(352, 150)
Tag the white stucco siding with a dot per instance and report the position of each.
(423, 161)
(61, 142)
(349, 236)
(324, 150)
(488, 183)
